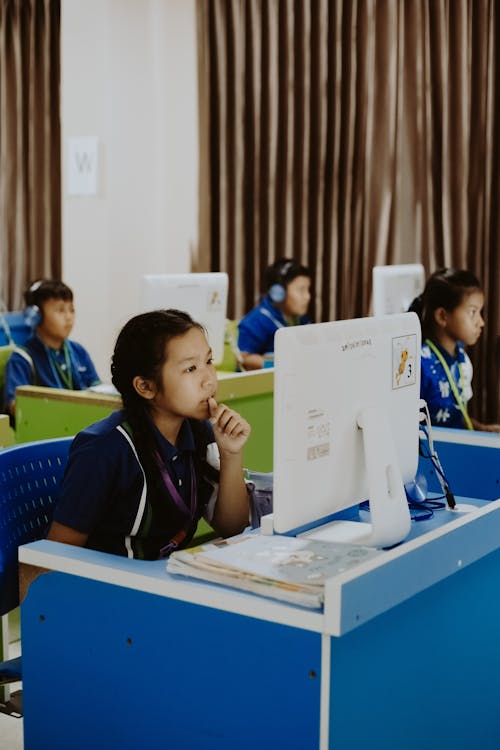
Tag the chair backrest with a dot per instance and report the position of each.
(30, 477)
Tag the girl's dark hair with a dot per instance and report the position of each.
(444, 288)
(141, 349)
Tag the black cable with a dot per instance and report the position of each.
(443, 481)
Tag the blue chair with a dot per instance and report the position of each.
(30, 477)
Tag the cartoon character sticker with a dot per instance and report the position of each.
(404, 357)
(214, 300)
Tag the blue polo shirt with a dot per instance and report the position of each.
(256, 330)
(36, 364)
(105, 493)
(435, 387)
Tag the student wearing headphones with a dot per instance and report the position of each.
(288, 295)
(48, 357)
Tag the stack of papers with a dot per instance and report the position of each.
(287, 568)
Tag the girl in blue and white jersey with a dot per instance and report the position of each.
(450, 311)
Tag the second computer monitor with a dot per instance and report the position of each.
(202, 295)
(395, 287)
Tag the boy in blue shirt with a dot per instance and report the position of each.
(48, 357)
(288, 295)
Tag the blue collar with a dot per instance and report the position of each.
(451, 359)
(185, 441)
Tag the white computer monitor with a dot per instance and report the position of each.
(202, 295)
(346, 417)
(395, 287)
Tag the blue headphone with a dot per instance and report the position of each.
(32, 313)
(277, 291)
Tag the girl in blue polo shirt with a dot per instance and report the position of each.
(138, 481)
(288, 295)
(450, 310)
(48, 357)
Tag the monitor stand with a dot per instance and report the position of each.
(389, 512)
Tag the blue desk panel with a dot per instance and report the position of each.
(106, 667)
(405, 655)
(471, 462)
(426, 674)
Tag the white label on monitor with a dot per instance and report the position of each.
(214, 300)
(404, 356)
(318, 434)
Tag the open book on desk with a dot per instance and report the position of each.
(291, 569)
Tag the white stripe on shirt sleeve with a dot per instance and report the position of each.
(142, 501)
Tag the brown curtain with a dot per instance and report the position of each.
(30, 169)
(348, 134)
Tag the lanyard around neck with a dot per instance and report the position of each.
(179, 502)
(460, 403)
(62, 373)
(275, 320)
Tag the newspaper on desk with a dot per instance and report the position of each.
(281, 567)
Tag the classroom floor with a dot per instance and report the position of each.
(11, 728)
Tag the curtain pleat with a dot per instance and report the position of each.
(351, 134)
(30, 181)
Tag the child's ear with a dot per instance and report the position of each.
(144, 387)
(440, 316)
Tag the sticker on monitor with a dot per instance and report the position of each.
(318, 434)
(404, 356)
(215, 300)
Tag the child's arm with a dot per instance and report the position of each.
(231, 433)
(19, 371)
(58, 532)
(252, 361)
(485, 427)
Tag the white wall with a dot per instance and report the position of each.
(129, 78)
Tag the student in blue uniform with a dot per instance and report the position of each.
(450, 311)
(48, 357)
(288, 295)
(138, 481)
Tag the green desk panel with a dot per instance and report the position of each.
(49, 412)
(43, 413)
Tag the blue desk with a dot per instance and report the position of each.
(470, 460)
(405, 654)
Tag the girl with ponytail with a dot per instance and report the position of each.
(450, 312)
(138, 481)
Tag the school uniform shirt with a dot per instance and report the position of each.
(37, 364)
(105, 493)
(435, 387)
(257, 328)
